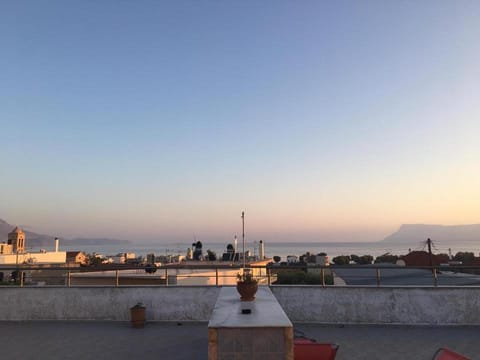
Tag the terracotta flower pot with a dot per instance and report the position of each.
(137, 316)
(247, 290)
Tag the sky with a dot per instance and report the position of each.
(160, 120)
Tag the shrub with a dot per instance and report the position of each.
(302, 278)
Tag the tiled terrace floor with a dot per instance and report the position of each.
(116, 340)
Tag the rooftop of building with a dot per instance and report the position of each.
(74, 253)
(393, 275)
(17, 230)
(189, 340)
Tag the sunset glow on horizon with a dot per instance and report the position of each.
(154, 121)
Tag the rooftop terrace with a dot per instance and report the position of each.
(189, 340)
(368, 322)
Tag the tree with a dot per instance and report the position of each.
(386, 258)
(300, 277)
(465, 257)
(366, 259)
(277, 258)
(94, 259)
(362, 260)
(341, 260)
(150, 268)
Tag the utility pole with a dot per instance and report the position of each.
(429, 243)
(243, 236)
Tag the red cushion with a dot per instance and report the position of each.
(305, 349)
(445, 354)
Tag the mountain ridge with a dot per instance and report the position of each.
(34, 239)
(415, 232)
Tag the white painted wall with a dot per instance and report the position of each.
(51, 257)
(364, 305)
(107, 303)
(343, 305)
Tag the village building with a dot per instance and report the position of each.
(422, 258)
(76, 257)
(13, 252)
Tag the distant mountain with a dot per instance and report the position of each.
(5, 228)
(32, 238)
(35, 240)
(417, 232)
(95, 241)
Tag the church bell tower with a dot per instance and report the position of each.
(17, 239)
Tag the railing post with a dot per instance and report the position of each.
(378, 276)
(21, 278)
(269, 280)
(216, 276)
(166, 277)
(68, 278)
(435, 278)
(116, 278)
(323, 277)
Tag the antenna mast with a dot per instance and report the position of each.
(243, 236)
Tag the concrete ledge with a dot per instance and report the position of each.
(384, 305)
(107, 303)
(309, 304)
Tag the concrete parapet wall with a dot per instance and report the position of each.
(384, 305)
(107, 303)
(341, 305)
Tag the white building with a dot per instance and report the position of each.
(292, 259)
(13, 252)
(322, 260)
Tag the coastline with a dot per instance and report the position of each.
(276, 249)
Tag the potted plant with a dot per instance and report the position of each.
(137, 315)
(247, 285)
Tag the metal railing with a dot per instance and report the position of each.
(221, 274)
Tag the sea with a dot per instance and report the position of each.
(282, 249)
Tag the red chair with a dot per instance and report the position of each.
(446, 354)
(306, 349)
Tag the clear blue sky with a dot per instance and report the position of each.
(154, 120)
